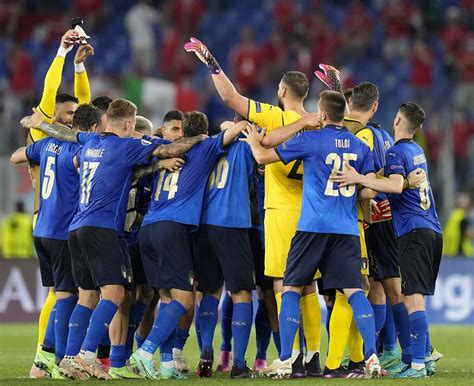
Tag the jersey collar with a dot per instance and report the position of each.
(107, 134)
(408, 140)
(335, 127)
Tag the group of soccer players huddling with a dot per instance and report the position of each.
(284, 201)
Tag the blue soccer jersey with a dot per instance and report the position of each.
(413, 208)
(107, 163)
(138, 202)
(178, 196)
(382, 142)
(326, 208)
(59, 186)
(227, 199)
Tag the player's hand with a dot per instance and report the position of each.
(83, 52)
(32, 120)
(252, 136)
(416, 178)
(171, 164)
(311, 121)
(70, 38)
(204, 55)
(348, 176)
(330, 76)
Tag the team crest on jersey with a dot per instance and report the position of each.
(145, 142)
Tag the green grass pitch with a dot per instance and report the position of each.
(17, 344)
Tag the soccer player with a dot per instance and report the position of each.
(166, 241)
(59, 187)
(225, 255)
(283, 192)
(59, 108)
(106, 163)
(416, 226)
(327, 238)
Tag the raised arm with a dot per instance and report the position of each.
(19, 156)
(179, 147)
(55, 130)
(233, 132)
(283, 133)
(82, 88)
(262, 155)
(224, 86)
(54, 76)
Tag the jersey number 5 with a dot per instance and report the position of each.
(48, 178)
(334, 160)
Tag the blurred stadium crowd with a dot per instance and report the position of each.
(420, 50)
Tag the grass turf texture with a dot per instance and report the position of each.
(17, 344)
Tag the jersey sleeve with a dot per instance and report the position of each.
(295, 148)
(265, 115)
(84, 136)
(82, 89)
(33, 151)
(48, 99)
(138, 151)
(394, 163)
(367, 164)
(213, 146)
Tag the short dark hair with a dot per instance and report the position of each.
(297, 82)
(62, 98)
(173, 115)
(364, 95)
(102, 103)
(195, 123)
(348, 94)
(86, 116)
(333, 104)
(414, 114)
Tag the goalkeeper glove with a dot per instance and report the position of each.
(201, 51)
(330, 77)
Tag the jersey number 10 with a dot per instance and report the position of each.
(334, 160)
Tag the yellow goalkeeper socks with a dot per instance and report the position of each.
(44, 317)
(355, 344)
(339, 326)
(311, 314)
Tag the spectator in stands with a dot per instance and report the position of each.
(246, 60)
(464, 91)
(16, 234)
(140, 21)
(458, 232)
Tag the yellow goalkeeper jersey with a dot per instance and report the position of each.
(283, 183)
(46, 107)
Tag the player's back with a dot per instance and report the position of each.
(227, 198)
(58, 186)
(283, 183)
(106, 167)
(413, 208)
(327, 208)
(178, 196)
